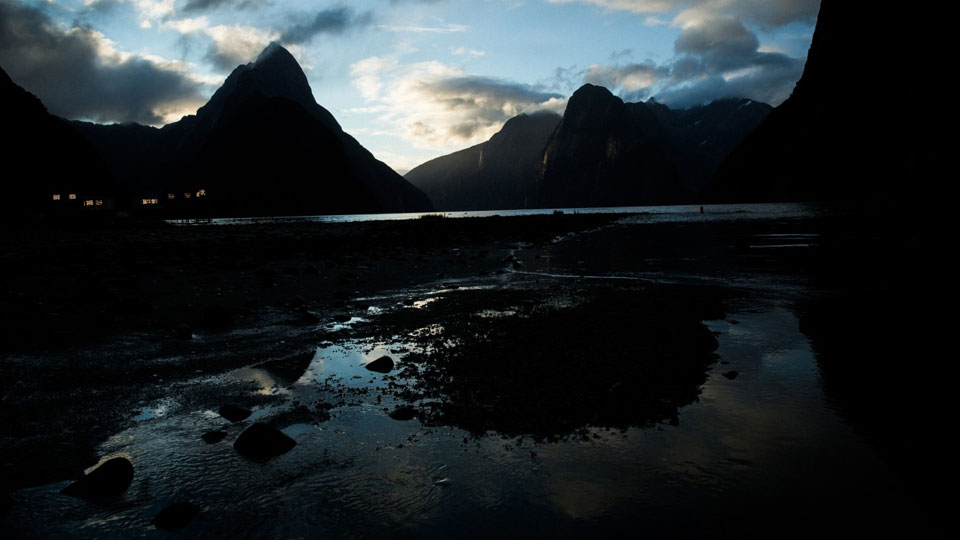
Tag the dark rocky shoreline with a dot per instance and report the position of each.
(100, 323)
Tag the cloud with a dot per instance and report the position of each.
(232, 46)
(78, 73)
(631, 78)
(203, 5)
(329, 21)
(441, 108)
(769, 13)
(154, 9)
(444, 29)
(717, 55)
(464, 51)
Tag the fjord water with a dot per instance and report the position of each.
(641, 214)
(763, 449)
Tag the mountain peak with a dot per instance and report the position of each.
(278, 60)
(274, 74)
(592, 92)
(270, 50)
(591, 98)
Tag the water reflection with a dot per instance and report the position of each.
(642, 214)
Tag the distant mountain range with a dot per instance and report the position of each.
(498, 174)
(263, 146)
(260, 146)
(602, 152)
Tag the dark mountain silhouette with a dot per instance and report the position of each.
(610, 153)
(42, 157)
(260, 146)
(497, 174)
(602, 152)
(839, 135)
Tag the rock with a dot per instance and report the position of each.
(731, 374)
(176, 516)
(403, 413)
(183, 331)
(261, 441)
(384, 364)
(218, 318)
(213, 437)
(112, 477)
(234, 413)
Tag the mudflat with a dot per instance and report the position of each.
(540, 327)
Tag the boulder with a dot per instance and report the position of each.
(384, 364)
(112, 477)
(213, 437)
(403, 413)
(234, 413)
(261, 441)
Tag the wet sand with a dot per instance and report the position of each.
(546, 327)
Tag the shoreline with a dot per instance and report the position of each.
(335, 284)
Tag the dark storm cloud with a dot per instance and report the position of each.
(725, 43)
(482, 101)
(64, 69)
(329, 21)
(776, 13)
(716, 58)
(767, 13)
(203, 5)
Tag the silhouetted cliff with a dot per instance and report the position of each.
(602, 152)
(610, 153)
(497, 174)
(841, 135)
(43, 158)
(260, 146)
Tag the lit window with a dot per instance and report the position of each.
(171, 196)
(56, 196)
(88, 202)
(202, 193)
(149, 202)
(72, 196)
(98, 202)
(187, 195)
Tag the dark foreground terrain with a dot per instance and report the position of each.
(568, 338)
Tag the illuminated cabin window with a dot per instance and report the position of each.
(72, 196)
(202, 193)
(88, 202)
(56, 196)
(187, 195)
(171, 196)
(149, 202)
(98, 202)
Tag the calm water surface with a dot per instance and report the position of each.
(644, 214)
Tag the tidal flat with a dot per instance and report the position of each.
(548, 376)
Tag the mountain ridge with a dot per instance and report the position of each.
(261, 145)
(601, 152)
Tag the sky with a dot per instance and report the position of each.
(410, 79)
